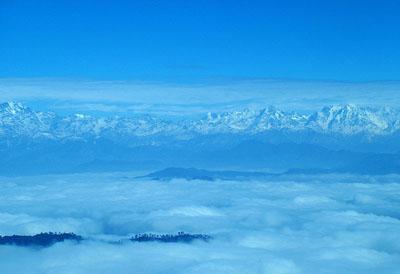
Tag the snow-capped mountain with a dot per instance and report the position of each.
(343, 138)
(18, 120)
(250, 121)
(351, 119)
(338, 119)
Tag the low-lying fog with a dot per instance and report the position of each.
(330, 224)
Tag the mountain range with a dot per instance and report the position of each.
(346, 138)
(19, 120)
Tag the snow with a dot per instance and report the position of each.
(17, 120)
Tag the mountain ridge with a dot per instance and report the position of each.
(344, 138)
(346, 120)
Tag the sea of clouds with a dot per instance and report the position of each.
(310, 224)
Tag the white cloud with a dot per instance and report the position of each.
(178, 98)
(329, 224)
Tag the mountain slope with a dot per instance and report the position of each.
(18, 120)
(342, 138)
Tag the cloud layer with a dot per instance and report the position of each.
(331, 224)
(178, 98)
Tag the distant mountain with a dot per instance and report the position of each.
(378, 167)
(202, 174)
(18, 120)
(351, 119)
(341, 138)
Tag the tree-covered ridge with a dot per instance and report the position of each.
(170, 238)
(49, 238)
(42, 239)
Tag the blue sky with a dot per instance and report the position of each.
(196, 56)
(185, 41)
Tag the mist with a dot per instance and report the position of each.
(308, 224)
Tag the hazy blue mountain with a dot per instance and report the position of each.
(343, 138)
(18, 120)
(202, 174)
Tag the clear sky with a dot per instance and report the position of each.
(185, 40)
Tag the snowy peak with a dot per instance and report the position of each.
(352, 119)
(12, 108)
(251, 121)
(18, 120)
(339, 119)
